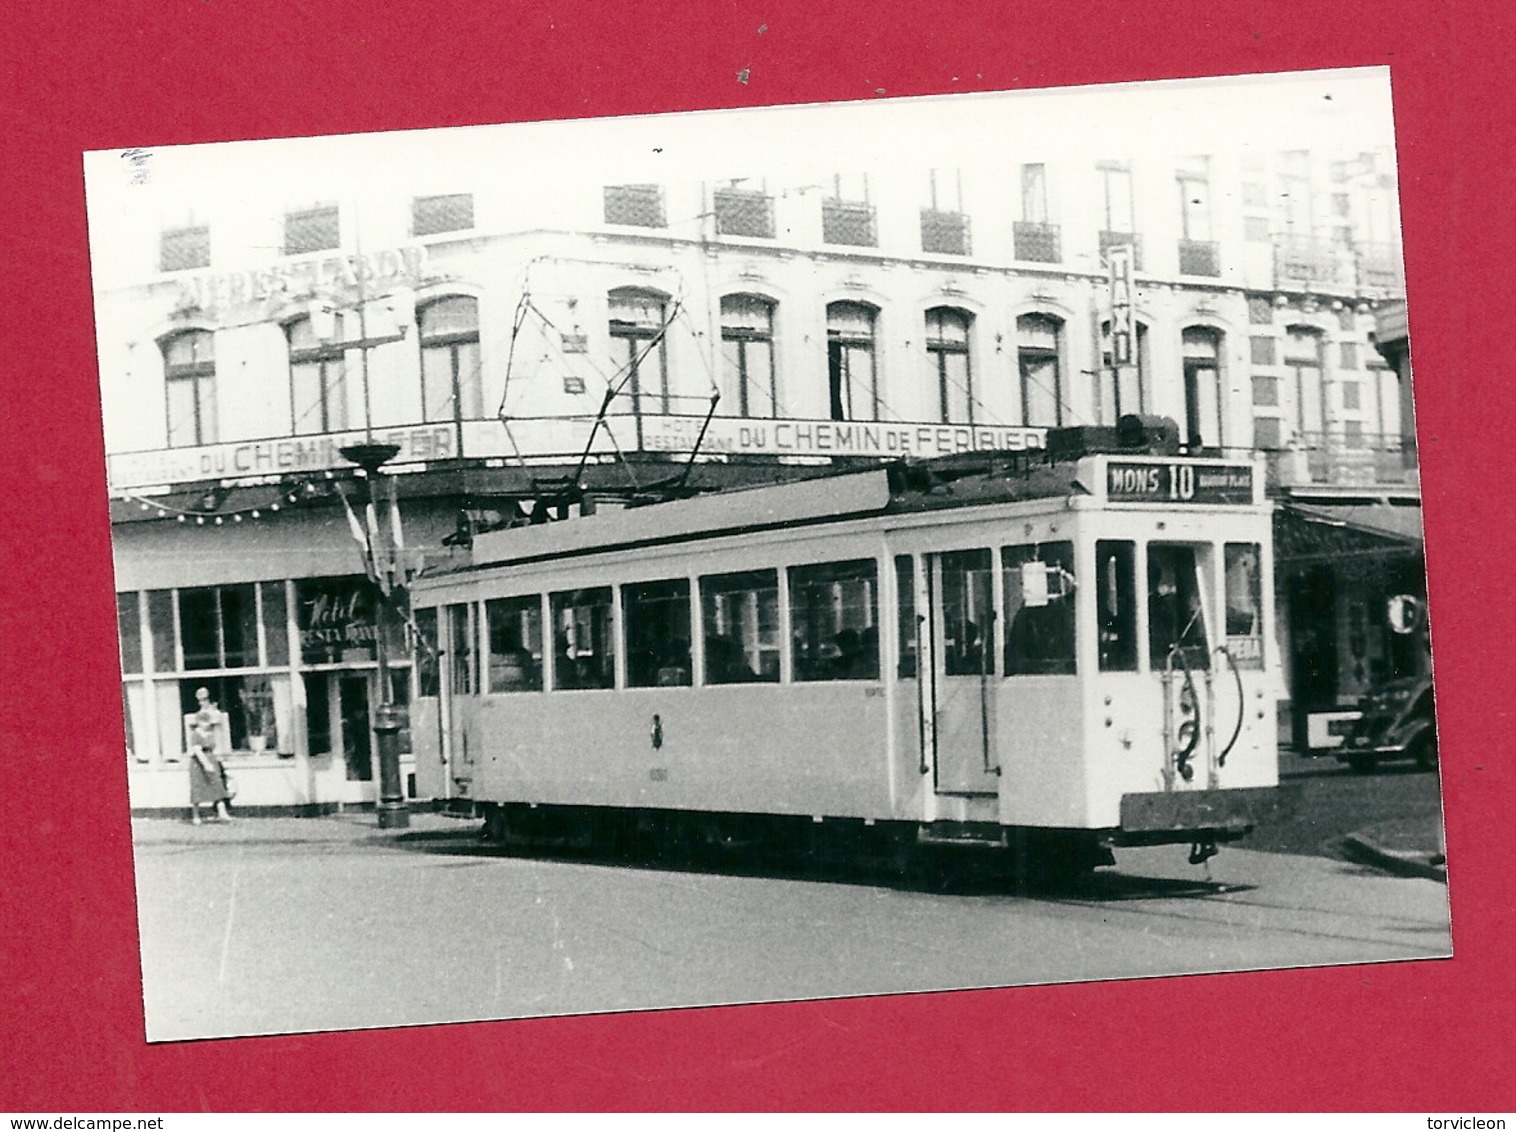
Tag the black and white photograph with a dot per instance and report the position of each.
(739, 556)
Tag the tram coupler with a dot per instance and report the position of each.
(1203, 851)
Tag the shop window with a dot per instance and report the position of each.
(747, 354)
(218, 627)
(1116, 605)
(189, 379)
(1244, 603)
(584, 647)
(160, 625)
(275, 618)
(968, 612)
(740, 619)
(834, 621)
(1038, 582)
(853, 381)
(451, 385)
(129, 630)
(947, 347)
(318, 379)
(451, 212)
(513, 626)
(426, 651)
(255, 708)
(314, 229)
(1039, 341)
(638, 334)
(909, 627)
(656, 616)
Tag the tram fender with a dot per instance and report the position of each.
(1226, 811)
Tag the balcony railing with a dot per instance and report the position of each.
(1037, 242)
(848, 222)
(1305, 259)
(744, 212)
(1379, 270)
(1109, 240)
(944, 233)
(1199, 257)
(1339, 458)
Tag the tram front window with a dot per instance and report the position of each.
(1176, 607)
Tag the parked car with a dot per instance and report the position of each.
(1397, 723)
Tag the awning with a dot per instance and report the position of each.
(1306, 533)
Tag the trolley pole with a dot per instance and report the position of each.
(392, 811)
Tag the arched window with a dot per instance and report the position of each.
(451, 387)
(1123, 390)
(850, 361)
(318, 380)
(189, 381)
(947, 345)
(1038, 345)
(747, 355)
(1302, 361)
(1202, 387)
(638, 325)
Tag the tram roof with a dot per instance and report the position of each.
(904, 487)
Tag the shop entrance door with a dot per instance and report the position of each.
(357, 727)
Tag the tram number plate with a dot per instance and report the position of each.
(1128, 481)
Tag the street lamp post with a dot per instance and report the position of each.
(391, 810)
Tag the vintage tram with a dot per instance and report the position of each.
(1049, 654)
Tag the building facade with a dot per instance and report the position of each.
(514, 337)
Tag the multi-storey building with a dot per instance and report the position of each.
(514, 336)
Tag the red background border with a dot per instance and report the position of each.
(1417, 1036)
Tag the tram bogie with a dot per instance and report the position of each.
(1044, 662)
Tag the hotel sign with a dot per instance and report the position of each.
(727, 435)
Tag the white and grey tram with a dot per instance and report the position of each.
(1048, 657)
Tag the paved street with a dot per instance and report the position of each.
(277, 925)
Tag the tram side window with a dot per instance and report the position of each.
(1176, 608)
(1116, 605)
(460, 632)
(657, 620)
(905, 590)
(834, 624)
(583, 650)
(1244, 603)
(514, 627)
(1039, 609)
(425, 628)
(740, 615)
(968, 611)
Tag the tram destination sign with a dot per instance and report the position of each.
(1174, 482)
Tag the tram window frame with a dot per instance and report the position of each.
(1193, 591)
(738, 668)
(519, 651)
(462, 677)
(655, 626)
(908, 627)
(811, 642)
(1235, 567)
(1116, 630)
(599, 674)
(1040, 640)
(427, 652)
(977, 656)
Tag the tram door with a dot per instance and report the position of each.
(460, 696)
(959, 667)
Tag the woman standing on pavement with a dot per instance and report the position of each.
(207, 775)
